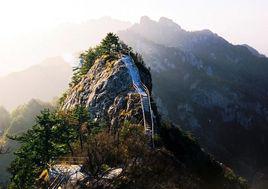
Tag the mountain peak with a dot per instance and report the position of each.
(169, 23)
(253, 51)
(162, 22)
(109, 78)
(146, 20)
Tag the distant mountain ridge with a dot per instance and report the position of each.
(43, 81)
(217, 90)
(253, 51)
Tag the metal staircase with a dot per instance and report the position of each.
(148, 115)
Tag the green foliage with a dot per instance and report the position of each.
(105, 149)
(82, 118)
(141, 166)
(232, 178)
(20, 120)
(52, 136)
(38, 146)
(73, 132)
(109, 44)
(87, 59)
(61, 100)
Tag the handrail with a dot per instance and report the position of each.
(150, 108)
(59, 182)
(151, 112)
(59, 179)
(142, 107)
(54, 181)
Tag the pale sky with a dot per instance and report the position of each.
(239, 21)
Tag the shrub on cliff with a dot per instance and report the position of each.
(109, 45)
(52, 136)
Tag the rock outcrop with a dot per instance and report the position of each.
(107, 90)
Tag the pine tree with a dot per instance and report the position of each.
(82, 117)
(39, 146)
(110, 43)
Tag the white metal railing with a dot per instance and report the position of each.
(141, 90)
(150, 111)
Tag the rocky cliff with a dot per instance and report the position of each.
(111, 96)
(107, 90)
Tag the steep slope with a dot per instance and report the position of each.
(110, 92)
(210, 87)
(43, 81)
(23, 116)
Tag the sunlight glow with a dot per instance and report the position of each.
(240, 21)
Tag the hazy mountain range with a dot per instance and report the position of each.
(202, 82)
(43, 81)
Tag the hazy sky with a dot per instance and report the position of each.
(239, 21)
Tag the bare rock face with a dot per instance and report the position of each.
(108, 92)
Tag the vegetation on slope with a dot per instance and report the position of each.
(17, 122)
(72, 133)
(110, 46)
(51, 137)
